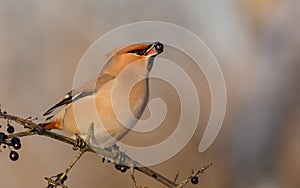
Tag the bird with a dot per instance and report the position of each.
(93, 101)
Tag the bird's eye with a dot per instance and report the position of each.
(138, 52)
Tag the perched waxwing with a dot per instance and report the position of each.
(104, 100)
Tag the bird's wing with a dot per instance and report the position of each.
(86, 89)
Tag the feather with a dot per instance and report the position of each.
(86, 89)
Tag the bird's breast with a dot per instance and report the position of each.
(110, 110)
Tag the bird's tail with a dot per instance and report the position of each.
(51, 125)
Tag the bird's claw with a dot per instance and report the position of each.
(113, 148)
(80, 143)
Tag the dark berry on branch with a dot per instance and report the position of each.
(123, 169)
(15, 140)
(195, 180)
(118, 167)
(13, 155)
(16, 143)
(17, 146)
(10, 129)
(2, 137)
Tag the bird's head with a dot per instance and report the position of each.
(141, 54)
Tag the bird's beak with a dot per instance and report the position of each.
(154, 49)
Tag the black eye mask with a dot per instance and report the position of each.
(157, 46)
(138, 52)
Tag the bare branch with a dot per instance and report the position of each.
(115, 156)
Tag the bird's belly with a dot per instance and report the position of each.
(110, 119)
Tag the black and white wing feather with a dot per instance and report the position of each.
(86, 89)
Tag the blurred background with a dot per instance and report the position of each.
(255, 41)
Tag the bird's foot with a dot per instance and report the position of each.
(116, 151)
(119, 159)
(113, 148)
(80, 143)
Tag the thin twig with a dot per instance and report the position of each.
(22, 134)
(76, 158)
(184, 182)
